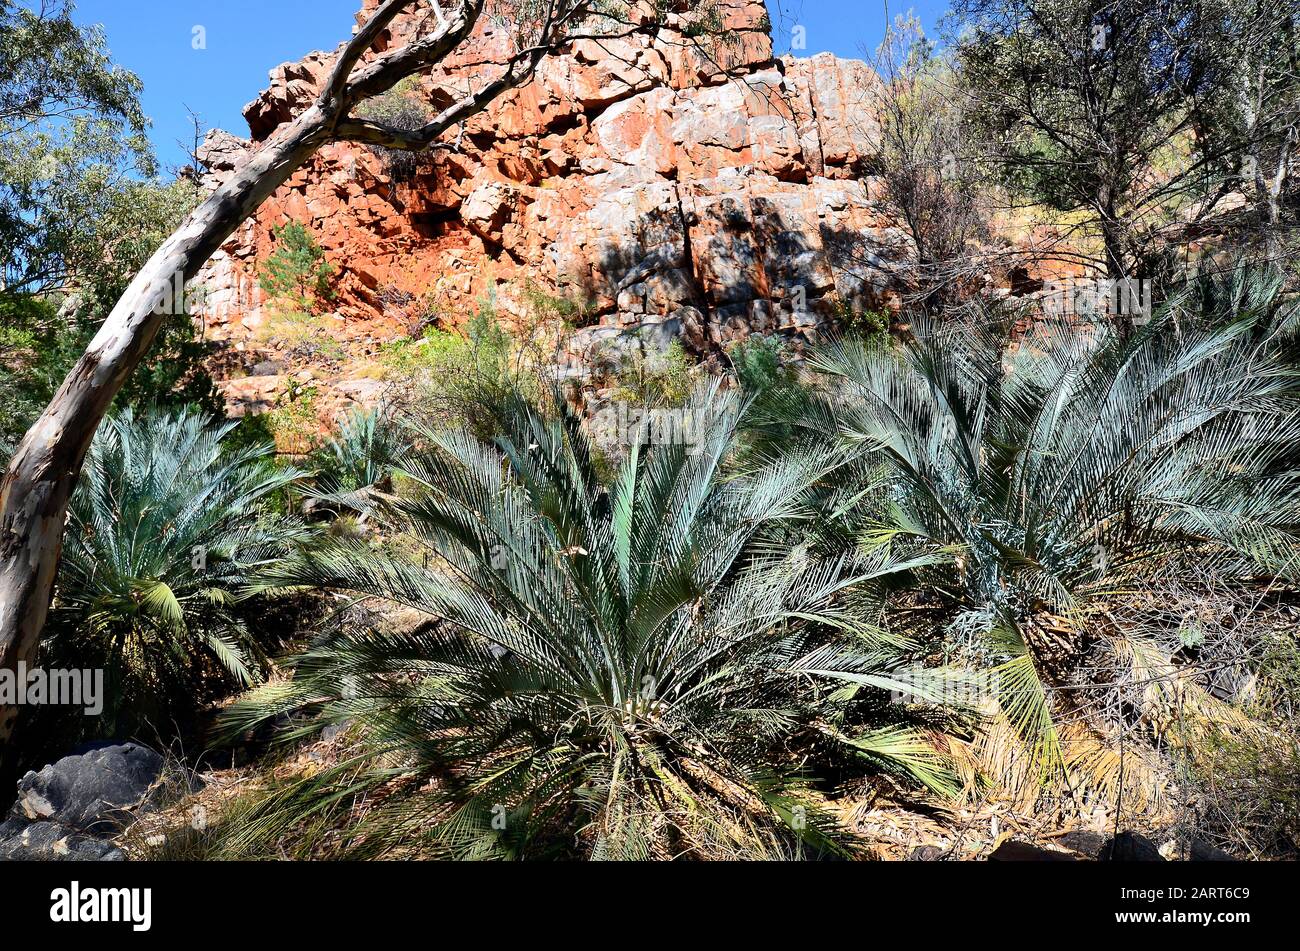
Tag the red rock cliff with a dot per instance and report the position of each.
(683, 192)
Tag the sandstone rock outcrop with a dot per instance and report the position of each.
(675, 191)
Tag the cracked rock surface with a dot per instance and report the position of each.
(695, 195)
(68, 810)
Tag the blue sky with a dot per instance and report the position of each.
(850, 28)
(245, 38)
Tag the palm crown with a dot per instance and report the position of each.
(1053, 472)
(164, 535)
(612, 662)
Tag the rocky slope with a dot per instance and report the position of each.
(677, 191)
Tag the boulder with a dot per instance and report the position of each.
(221, 154)
(51, 842)
(95, 793)
(1083, 842)
(294, 86)
(1198, 850)
(488, 208)
(1130, 847)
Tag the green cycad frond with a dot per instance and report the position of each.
(164, 535)
(910, 752)
(1054, 470)
(159, 600)
(1023, 699)
(620, 663)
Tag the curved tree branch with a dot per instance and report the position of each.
(38, 484)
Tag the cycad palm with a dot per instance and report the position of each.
(163, 536)
(359, 458)
(610, 669)
(1054, 473)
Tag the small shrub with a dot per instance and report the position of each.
(296, 275)
(295, 421)
(869, 323)
(446, 377)
(666, 379)
(544, 306)
(761, 364)
(302, 335)
(766, 373)
(403, 109)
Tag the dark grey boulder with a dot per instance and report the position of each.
(98, 792)
(1198, 850)
(1192, 848)
(50, 842)
(1130, 847)
(1083, 842)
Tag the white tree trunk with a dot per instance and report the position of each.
(38, 485)
(36, 489)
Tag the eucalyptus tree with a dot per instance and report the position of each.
(35, 490)
(73, 133)
(1109, 113)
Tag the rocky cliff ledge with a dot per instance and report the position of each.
(701, 194)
